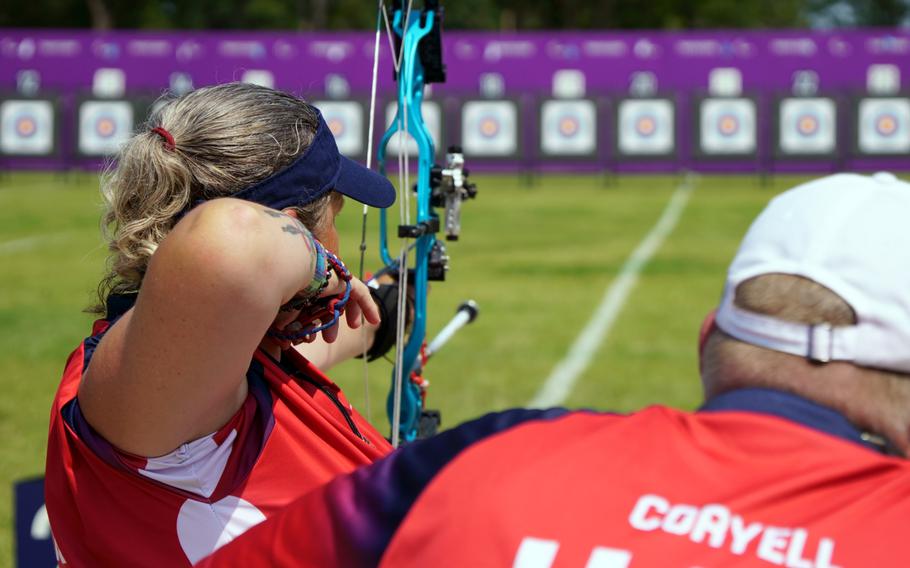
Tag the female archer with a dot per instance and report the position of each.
(186, 417)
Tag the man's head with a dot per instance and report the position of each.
(817, 302)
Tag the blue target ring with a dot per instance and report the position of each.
(645, 125)
(728, 125)
(105, 126)
(568, 126)
(337, 126)
(807, 125)
(489, 127)
(26, 126)
(886, 124)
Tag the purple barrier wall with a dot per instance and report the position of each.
(681, 61)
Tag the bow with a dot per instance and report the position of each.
(417, 55)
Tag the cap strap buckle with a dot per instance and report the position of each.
(821, 343)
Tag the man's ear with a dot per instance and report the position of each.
(708, 325)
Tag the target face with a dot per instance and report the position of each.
(345, 120)
(807, 126)
(646, 127)
(728, 127)
(104, 126)
(27, 128)
(489, 128)
(884, 126)
(568, 128)
(432, 118)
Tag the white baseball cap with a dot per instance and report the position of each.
(851, 234)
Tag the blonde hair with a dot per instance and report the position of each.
(226, 138)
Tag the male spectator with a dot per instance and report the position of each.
(797, 457)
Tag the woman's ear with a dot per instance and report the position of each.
(291, 212)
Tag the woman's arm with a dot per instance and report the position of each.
(350, 343)
(173, 368)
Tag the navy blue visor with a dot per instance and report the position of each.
(320, 169)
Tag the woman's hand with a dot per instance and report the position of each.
(360, 302)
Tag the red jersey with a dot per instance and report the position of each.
(294, 432)
(758, 478)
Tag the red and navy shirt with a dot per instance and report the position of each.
(756, 478)
(294, 432)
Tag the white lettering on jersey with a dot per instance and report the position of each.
(710, 524)
(535, 553)
(540, 553)
(203, 528)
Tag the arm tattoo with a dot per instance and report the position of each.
(292, 227)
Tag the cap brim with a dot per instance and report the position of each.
(364, 185)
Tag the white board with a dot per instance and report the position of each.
(568, 128)
(490, 128)
(646, 127)
(27, 127)
(727, 127)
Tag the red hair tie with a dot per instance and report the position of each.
(169, 143)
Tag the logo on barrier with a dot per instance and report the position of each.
(728, 127)
(884, 125)
(432, 118)
(568, 128)
(104, 126)
(646, 127)
(345, 120)
(27, 128)
(489, 128)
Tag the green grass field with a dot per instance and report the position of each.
(536, 258)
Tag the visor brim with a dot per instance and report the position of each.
(364, 185)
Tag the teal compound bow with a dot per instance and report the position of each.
(417, 55)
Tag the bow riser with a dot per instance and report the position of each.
(409, 118)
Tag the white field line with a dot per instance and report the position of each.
(29, 243)
(558, 386)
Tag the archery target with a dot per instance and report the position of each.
(646, 127)
(807, 126)
(432, 118)
(884, 126)
(345, 120)
(27, 127)
(568, 128)
(104, 126)
(490, 128)
(728, 127)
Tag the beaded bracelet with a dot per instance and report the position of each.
(326, 311)
(317, 285)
